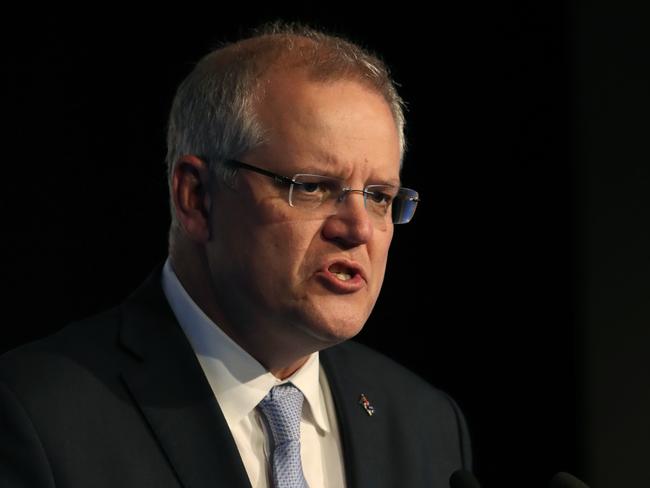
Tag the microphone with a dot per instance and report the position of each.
(565, 480)
(463, 479)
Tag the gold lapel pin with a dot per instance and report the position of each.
(363, 401)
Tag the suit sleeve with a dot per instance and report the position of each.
(23, 462)
(463, 436)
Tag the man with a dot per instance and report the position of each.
(230, 366)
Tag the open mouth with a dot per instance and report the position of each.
(342, 276)
(342, 272)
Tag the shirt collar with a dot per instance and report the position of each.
(238, 380)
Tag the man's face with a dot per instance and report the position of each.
(276, 268)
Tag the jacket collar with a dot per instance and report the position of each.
(364, 437)
(170, 389)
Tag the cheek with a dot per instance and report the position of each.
(379, 255)
(264, 231)
(282, 250)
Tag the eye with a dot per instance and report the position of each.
(312, 187)
(380, 197)
(317, 186)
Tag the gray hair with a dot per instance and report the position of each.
(213, 113)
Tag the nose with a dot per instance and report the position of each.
(350, 225)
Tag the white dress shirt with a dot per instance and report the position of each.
(239, 383)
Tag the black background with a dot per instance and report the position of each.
(498, 289)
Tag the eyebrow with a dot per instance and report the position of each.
(391, 182)
(313, 170)
(331, 160)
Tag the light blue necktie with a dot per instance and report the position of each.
(282, 408)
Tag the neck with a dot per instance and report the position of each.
(283, 373)
(281, 358)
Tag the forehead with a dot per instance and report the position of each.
(338, 124)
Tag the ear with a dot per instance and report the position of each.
(191, 197)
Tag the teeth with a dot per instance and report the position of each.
(343, 276)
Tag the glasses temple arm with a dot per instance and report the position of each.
(280, 178)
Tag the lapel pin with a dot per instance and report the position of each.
(363, 401)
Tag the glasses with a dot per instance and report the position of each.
(324, 192)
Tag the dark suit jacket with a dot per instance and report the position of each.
(119, 400)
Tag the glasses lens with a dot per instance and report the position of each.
(310, 191)
(379, 198)
(404, 205)
(324, 192)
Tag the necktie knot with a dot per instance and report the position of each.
(282, 408)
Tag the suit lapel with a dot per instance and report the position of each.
(169, 387)
(364, 437)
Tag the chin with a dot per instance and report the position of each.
(330, 320)
(334, 330)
